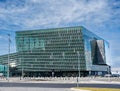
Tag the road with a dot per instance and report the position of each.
(57, 85)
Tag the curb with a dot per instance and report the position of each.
(75, 89)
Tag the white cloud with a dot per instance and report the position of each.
(39, 13)
(2, 37)
(116, 70)
(116, 61)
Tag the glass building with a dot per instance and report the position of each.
(60, 52)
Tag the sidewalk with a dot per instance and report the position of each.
(63, 80)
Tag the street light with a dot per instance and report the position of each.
(22, 69)
(8, 56)
(78, 68)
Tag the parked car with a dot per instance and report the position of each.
(108, 75)
(115, 75)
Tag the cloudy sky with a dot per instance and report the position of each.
(99, 16)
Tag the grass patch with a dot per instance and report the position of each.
(98, 89)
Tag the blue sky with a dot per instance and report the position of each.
(99, 16)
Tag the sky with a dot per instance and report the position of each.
(102, 17)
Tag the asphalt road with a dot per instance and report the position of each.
(57, 85)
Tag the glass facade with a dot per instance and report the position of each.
(56, 50)
(3, 70)
(96, 53)
(52, 49)
(4, 62)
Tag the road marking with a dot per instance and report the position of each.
(76, 89)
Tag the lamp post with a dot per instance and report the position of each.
(8, 56)
(22, 70)
(4, 71)
(78, 68)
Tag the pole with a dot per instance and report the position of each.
(8, 57)
(78, 77)
(22, 72)
(4, 71)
